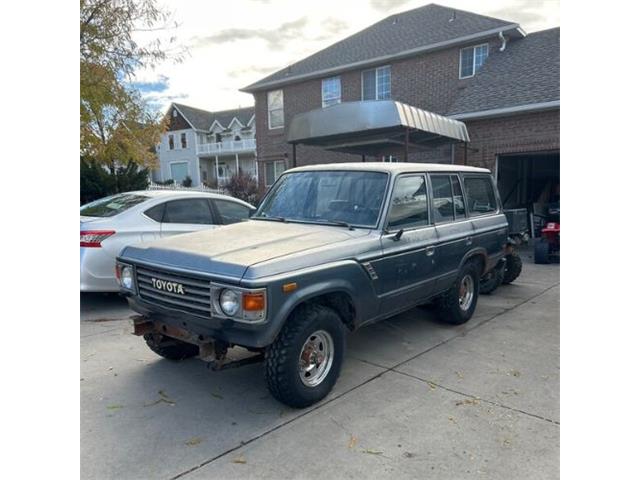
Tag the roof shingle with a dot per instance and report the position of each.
(203, 119)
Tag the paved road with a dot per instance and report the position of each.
(416, 399)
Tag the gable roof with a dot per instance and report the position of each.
(408, 33)
(203, 119)
(526, 73)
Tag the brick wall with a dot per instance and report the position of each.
(429, 81)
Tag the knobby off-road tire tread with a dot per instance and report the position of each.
(282, 385)
(512, 268)
(489, 286)
(447, 305)
(178, 351)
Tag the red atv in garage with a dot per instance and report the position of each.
(547, 247)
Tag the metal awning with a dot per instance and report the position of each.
(374, 127)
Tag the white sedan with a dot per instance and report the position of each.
(109, 224)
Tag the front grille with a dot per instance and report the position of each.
(197, 292)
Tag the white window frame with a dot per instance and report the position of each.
(475, 67)
(335, 100)
(170, 140)
(186, 140)
(376, 76)
(269, 110)
(272, 164)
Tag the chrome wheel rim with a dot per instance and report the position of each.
(316, 358)
(467, 288)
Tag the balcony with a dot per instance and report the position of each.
(226, 147)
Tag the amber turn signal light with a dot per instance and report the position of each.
(289, 287)
(253, 302)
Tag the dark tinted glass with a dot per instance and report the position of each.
(232, 212)
(408, 203)
(110, 206)
(195, 210)
(156, 212)
(442, 198)
(458, 199)
(480, 195)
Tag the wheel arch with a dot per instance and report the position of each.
(479, 255)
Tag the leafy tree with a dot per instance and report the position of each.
(96, 181)
(115, 122)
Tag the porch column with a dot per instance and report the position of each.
(257, 172)
(217, 178)
(237, 165)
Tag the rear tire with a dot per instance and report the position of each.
(512, 268)
(457, 305)
(492, 279)
(304, 362)
(541, 252)
(170, 348)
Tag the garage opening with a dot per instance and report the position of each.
(532, 182)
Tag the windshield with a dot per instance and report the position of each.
(354, 198)
(110, 206)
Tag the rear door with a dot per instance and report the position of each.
(404, 271)
(186, 215)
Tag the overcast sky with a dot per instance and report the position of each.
(234, 43)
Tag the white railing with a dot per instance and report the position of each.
(231, 146)
(177, 186)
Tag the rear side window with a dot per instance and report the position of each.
(442, 198)
(480, 195)
(193, 210)
(232, 212)
(156, 213)
(409, 203)
(110, 206)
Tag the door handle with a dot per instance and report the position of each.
(468, 241)
(430, 251)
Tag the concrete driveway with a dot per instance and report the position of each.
(416, 399)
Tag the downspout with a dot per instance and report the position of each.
(503, 40)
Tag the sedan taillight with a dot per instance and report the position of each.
(93, 238)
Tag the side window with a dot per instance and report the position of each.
(156, 213)
(480, 195)
(231, 212)
(193, 210)
(458, 199)
(409, 203)
(442, 198)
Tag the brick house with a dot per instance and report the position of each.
(487, 72)
(209, 147)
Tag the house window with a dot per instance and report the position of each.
(218, 138)
(179, 171)
(272, 171)
(472, 58)
(376, 84)
(331, 91)
(183, 140)
(171, 144)
(275, 107)
(389, 159)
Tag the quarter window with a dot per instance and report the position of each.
(376, 84)
(480, 195)
(472, 58)
(442, 198)
(183, 140)
(409, 203)
(275, 107)
(331, 91)
(194, 211)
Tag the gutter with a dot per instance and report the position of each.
(500, 112)
(395, 56)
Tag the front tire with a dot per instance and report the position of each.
(303, 364)
(457, 305)
(170, 348)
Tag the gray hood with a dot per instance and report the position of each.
(251, 249)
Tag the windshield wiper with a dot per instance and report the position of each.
(338, 223)
(273, 219)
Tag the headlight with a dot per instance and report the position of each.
(229, 302)
(126, 278)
